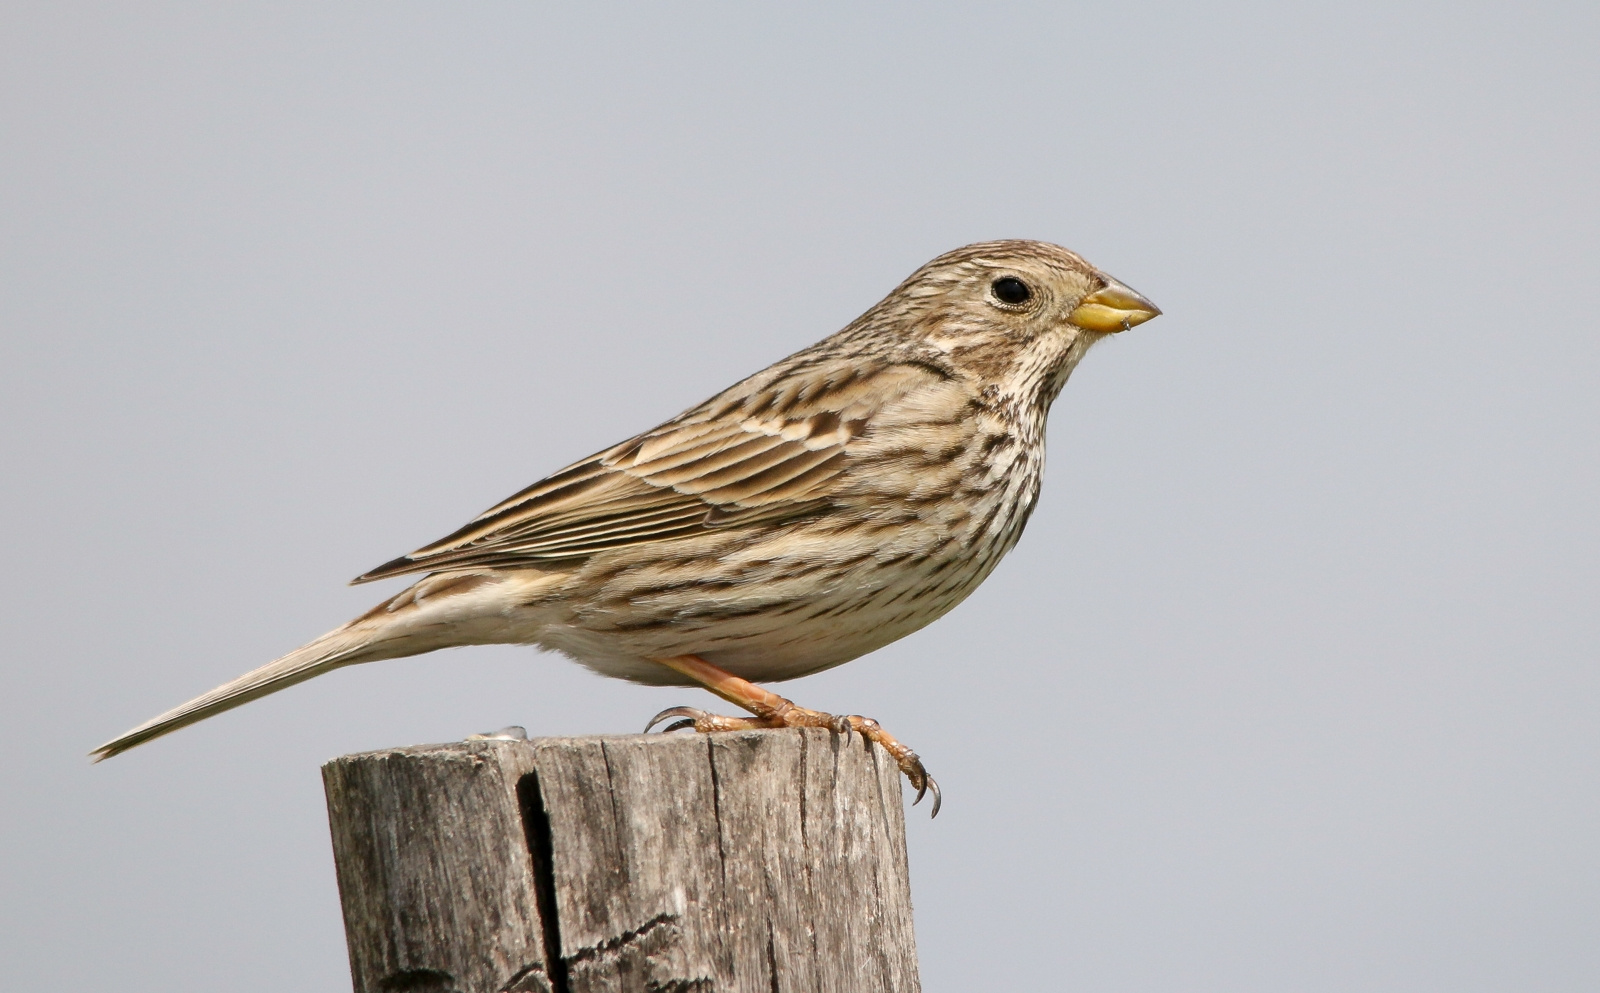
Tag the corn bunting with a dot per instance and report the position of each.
(820, 509)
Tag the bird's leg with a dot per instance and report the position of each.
(774, 711)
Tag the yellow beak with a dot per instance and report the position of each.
(1114, 308)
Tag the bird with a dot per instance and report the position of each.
(822, 508)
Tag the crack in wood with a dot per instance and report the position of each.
(419, 981)
(716, 806)
(772, 962)
(536, 827)
(612, 945)
(761, 860)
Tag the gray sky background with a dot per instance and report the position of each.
(1291, 684)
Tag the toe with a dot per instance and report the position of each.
(690, 715)
(938, 797)
(912, 766)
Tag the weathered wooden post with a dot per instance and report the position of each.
(755, 861)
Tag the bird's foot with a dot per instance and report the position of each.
(802, 717)
(774, 711)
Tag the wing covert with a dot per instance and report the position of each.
(770, 449)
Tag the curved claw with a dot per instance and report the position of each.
(911, 765)
(687, 712)
(929, 783)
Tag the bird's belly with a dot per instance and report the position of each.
(768, 620)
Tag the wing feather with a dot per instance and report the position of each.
(768, 450)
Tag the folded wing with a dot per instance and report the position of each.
(768, 450)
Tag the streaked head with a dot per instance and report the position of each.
(1023, 311)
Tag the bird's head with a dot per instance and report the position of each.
(1018, 313)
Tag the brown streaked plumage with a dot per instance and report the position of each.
(828, 505)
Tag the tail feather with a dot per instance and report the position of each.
(343, 646)
(438, 611)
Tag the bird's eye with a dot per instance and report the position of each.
(1010, 289)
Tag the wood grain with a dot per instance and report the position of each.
(755, 861)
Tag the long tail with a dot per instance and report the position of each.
(389, 631)
(337, 648)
